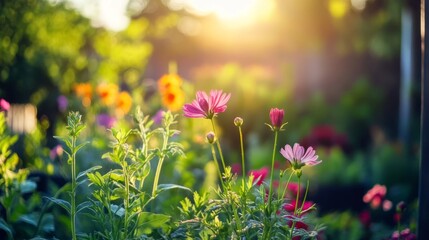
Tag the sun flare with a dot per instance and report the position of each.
(228, 10)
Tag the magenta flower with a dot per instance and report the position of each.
(205, 106)
(276, 116)
(298, 157)
(4, 105)
(259, 175)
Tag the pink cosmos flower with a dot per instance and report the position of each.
(276, 116)
(259, 175)
(4, 105)
(298, 157)
(205, 106)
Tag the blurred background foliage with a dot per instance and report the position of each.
(333, 65)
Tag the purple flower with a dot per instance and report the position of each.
(57, 151)
(157, 118)
(276, 116)
(62, 103)
(205, 106)
(105, 120)
(298, 157)
(4, 105)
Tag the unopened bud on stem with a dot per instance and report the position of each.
(211, 137)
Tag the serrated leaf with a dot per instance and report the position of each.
(62, 203)
(92, 169)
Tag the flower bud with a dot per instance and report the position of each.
(238, 121)
(400, 207)
(276, 116)
(211, 137)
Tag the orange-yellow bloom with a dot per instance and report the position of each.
(169, 81)
(84, 91)
(173, 99)
(123, 105)
(108, 93)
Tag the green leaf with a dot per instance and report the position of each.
(96, 178)
(149, 221)
(64, 204)
(78, 147)
(83, 206)
(119, 211)
(92, 169)
(165, 187)
(30, 219)
(4, 226)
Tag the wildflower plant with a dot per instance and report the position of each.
(244, 209)
(121, 201)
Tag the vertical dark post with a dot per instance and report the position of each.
(423, 221)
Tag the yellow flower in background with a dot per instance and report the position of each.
(84, 91)
(169, 81)
(173, 99)
(108, 93)
(123, 104)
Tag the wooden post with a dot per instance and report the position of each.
(423, 218)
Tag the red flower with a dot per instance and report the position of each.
(259, 175)
(290, 207)
(365, 218)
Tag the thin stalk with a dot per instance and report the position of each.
(305, 197)
(272, 171)
(287, 185)
(267, 229)
(218, 144)
(296, 206)
(161, 160)
(243, 166)
(73, 189)
(242, 153)
(217, 166)
(126, 199)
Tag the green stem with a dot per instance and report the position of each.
(267, 227)
(296, 206)
(126, 199)
(218, 144)
(217, 166)
(305, 196)
(272, 171)
(287, 185)
(73, 190)
(161, 160)
(242, 153)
